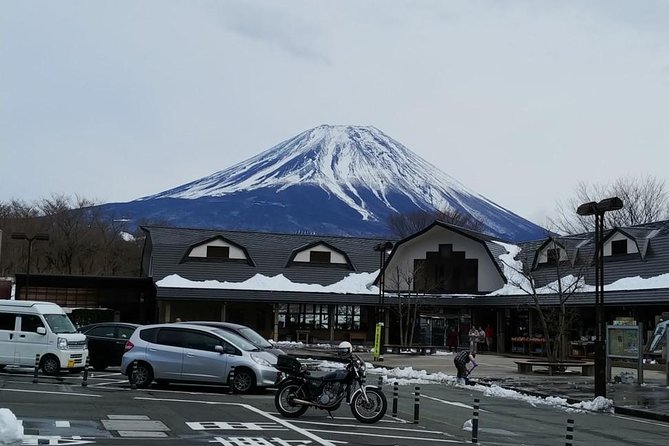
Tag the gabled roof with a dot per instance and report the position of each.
(493, 249)
(570, 244)
(640, 236)
(270, 252)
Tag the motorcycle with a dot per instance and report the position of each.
(298, 391)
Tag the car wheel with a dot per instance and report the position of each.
(143, 376)
(50, 365)
(244, 381)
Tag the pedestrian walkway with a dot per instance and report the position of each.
(650, 400)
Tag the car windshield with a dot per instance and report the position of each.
(254, 337)
(60, 323)
(237, 340)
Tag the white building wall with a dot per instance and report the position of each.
(489, 278)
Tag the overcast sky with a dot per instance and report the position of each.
(114, 100)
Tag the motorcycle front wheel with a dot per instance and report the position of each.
(373, 409)
(283, 400)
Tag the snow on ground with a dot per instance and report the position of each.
(404, 376)
(11, 430)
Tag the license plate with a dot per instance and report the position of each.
(70, 363)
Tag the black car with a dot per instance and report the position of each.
(245, 332)
(106, 342)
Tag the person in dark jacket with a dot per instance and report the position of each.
(461, 360)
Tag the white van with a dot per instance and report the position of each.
(30, 328)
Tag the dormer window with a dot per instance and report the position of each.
(217, 249)
(218, 252)
(552, 255)
(619, 247)
(319, 256)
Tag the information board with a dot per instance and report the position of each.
(623, 341)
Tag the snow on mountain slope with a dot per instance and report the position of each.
(342, 160)
(354, 176)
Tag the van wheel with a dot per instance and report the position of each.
(50, 365)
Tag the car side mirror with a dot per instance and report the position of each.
(219, 348)
(41, 330)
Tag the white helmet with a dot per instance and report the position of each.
(344, 348)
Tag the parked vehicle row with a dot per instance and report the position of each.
(200, 352)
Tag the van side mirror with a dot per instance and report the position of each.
(41, 330)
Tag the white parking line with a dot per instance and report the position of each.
(262, 413)
(452, 403)
(370, 426)
(90, 395)
(366, 434)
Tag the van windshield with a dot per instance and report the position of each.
(60, 323)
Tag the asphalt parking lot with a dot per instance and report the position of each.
(59, 411)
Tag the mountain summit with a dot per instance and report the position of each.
(343, 180)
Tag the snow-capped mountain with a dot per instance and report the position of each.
(343, 180)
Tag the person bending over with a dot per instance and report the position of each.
(461, 360)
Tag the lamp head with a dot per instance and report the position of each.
(587, 208)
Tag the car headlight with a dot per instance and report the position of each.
(260, 360)
(62, 344)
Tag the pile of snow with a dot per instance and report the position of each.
(11, 430)
(408, 376)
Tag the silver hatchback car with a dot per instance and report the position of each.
(195, 353)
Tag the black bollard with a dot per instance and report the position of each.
(231, 379)
(84, 383)
(36, 371)
(133, 376)
(416, 405)
(475, 422)
(570, 432)
(395, 398)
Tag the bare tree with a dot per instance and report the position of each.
(407, 303)
(404, 225)
(82, 239)
(645, 200)
(555, 320)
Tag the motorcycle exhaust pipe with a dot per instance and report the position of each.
(303, 402)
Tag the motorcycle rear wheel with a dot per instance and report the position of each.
(283, 400)
(373, 409)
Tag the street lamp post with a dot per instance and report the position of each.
(23, 236)
(383, 249)
(598, 209)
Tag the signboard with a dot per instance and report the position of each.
(623, 341)
(377, 341)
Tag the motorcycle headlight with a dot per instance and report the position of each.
(260, 360)
(62, 343)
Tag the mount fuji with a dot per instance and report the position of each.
(330, 180)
